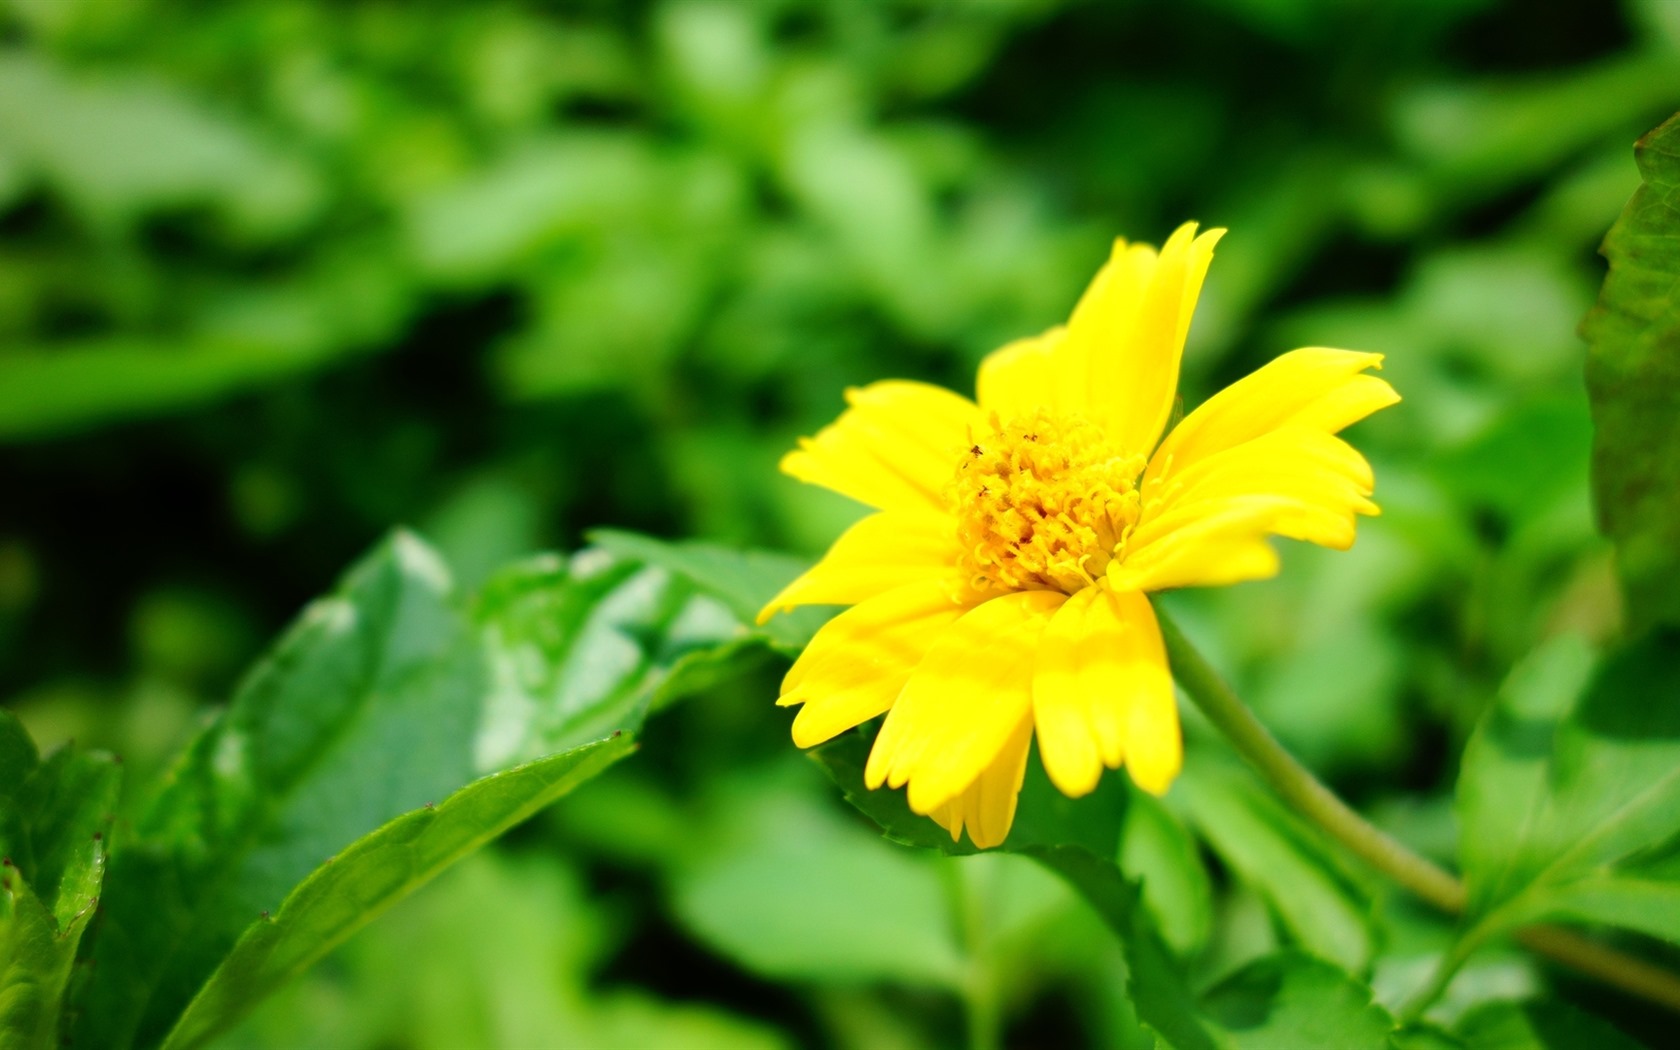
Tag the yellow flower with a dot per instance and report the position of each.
(1001, 587)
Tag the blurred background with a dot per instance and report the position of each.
(277, 275)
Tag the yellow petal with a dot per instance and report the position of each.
(895, 448)
(1259, 458)
(1100, 658)
(1317, 387)
(857, 663)
(877, 554)
(1020, 377)
(963, 701)
(1210, 547)
(1119, 363)
(1317, 483)
(987, 807)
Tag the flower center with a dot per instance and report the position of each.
(1042, 502)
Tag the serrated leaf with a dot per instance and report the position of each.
(1569, 795)
(1633, 379)
(381, 699)
(1291, 999)
(1281, 858)
(376, 872)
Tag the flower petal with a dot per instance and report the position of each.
(895, 448)
(876, 555)
(1102, 667)
(1316, 387)
(987, 807)
(1119, 363)
(1259, 458)
(859, 661)
(1021, 376)
(963, 701)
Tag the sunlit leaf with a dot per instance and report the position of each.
(380, 701)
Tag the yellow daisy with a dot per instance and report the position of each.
(1001, 587)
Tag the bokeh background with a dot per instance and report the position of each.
(277, 275)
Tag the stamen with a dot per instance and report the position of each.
(1042, 503)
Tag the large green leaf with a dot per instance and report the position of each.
(1569, 797)
(53, 818)
(1633, 377)
(376, 872)
(381, 700)
(1288, 999)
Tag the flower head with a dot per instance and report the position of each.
(1001, 587)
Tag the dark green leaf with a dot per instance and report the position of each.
(1542, 1025)
(374, 873)
(1633, 377)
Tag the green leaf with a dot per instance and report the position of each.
(382, 699)
(1161, 855)
(374, 873)
(579, 649)
(1633, 379)
(1569, 796)
(793, 893)
(1284, 1000)
(743, 580)
(1290, 999)
(53, 818)
(1282, 858)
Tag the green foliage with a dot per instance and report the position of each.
(1633, 374)
(375, 872)
(1286, 861)
(1285, 999)
(54, 816)
(275, 277)
(1570, 794)
(375, 745)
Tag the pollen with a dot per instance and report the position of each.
(1042, 502)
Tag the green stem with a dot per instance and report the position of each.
(979, 984)
(1202, 684)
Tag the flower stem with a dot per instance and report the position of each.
(1289, 778)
